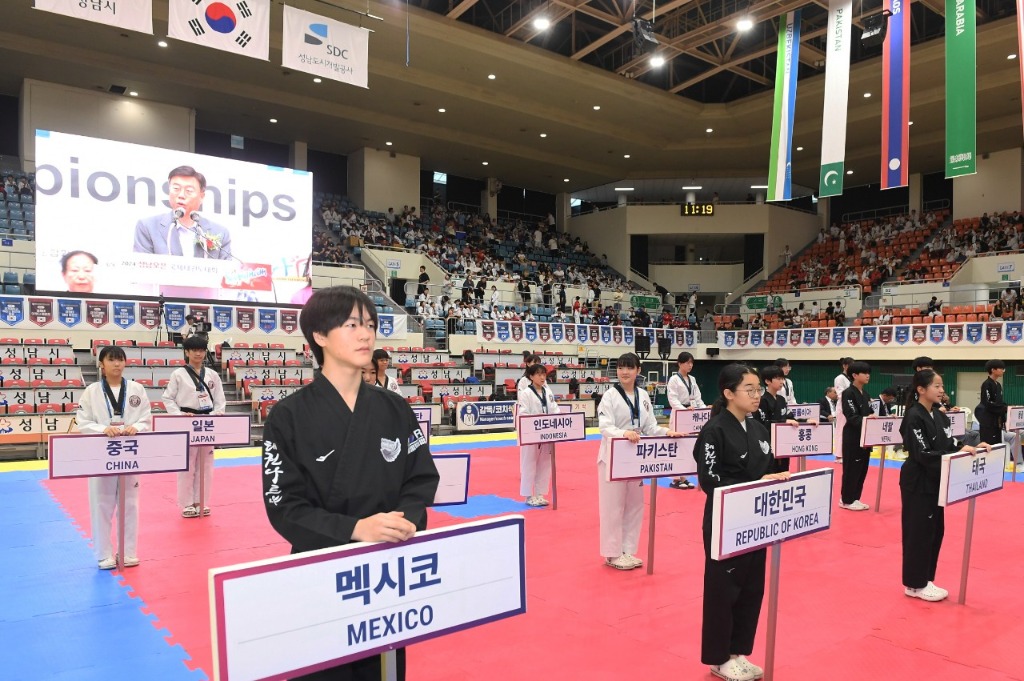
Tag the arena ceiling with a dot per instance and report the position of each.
(535, 124)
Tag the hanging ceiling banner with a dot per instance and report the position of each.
(961, 88)
(239, 27)
(325, 48)
(780, 185)
(896, 96)
(837, 92)
(133, 16)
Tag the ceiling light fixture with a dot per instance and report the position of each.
(541, 23)
(867, 95)
(543, 134)
(388, 143)
(744, 24)
(491, 76)
(799, 148)
(849, 172)
(1011, 56)
(440, 110)
(694, 187)
(273, 120)
(623, 189)
(318, 80)
(597, 107)
(565, 180)
(657, 61)
(911, 123)
(759, 186)
(485, 163)
(133, 93)
(162, 43)
(709, 130)
(625, 156)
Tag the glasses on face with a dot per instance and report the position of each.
(753, 392)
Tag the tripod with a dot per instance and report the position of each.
(160, 321)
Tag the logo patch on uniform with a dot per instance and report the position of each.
(765, 447)
(134, 401)
(390, 449)
(948, 431)
(415, 440)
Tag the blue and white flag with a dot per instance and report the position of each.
(780, 185)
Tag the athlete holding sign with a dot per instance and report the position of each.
(684, 393)
(535, 460)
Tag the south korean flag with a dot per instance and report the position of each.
(242, 27)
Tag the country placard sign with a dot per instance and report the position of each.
(805, 412)
(424, 418)
(78, 455)
(294, 615)
(803, 440)
(1015, 418)
(752, 515)
(652, 457)
(541, 429)
(965, 476)
(957, 422)
(690, 421)
(880, 430)
(204, 430)
(453, 486)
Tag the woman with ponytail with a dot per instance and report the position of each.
(732, 449)
(926, 437)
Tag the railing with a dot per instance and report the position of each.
(885, 212)
(699, 262)
(935, 204)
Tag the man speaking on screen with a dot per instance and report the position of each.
(183, 231)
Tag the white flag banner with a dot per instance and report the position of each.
(136, 15)
(837, 90)
(324, 47)
(240, 27)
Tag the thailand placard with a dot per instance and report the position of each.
(79, 456)
(453, 486)
(294, 615)
(753, 515)
(206, 429)
(541, 429)
(652, 457)
(690, 421)
(804, 440)
(965, 476)
(880, 430)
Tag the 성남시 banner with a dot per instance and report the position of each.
(961, 89)
(324, 47)
(780, 178)
(981, 334)
(896, 96)
(837, 92)
(133, 16)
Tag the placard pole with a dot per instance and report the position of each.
(201, 462)
(554, 480)
(773, 611)
(967, 551)
(881, 474)
(801, 464)
(121, 487)
(650, 525)
(389, 666)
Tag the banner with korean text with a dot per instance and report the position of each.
(133, 16)
(324, 47)
(240, 27)
(961, 89)
(837, 91)
(896, 97)
(780, 186)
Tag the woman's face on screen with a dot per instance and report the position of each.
(79, 274)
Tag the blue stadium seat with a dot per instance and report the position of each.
(10, 278)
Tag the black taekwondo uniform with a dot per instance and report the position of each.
(773, 409)
(856, 405)
(991, 413)
(729, 452)
(926, 437)
(326, 467)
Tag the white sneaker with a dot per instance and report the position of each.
(733, 670)
(861, 506)
(1020, 468)
(620, 563)
(938, 588)
(532, 501)
(108, 563)
(541, 501)
(633, 559)
(929, 593)
(855, 506)
(758, 672)
(130, 561)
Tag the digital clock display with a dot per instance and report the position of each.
(688, 209)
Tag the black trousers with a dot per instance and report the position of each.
(924, 524)
(990, 431)
(367, 669)
(733, 592)
(855, 470)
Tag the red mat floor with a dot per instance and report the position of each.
(842, 612)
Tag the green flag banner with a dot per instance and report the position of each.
(837, 90)
(961, 88)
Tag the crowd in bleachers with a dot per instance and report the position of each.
(17, 206)
(963, 239)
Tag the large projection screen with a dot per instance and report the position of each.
(106, 223)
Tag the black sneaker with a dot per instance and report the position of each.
(681, 483)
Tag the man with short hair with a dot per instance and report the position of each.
(182, 231)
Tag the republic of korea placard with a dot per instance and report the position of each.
(690, 421)
(207, 429)
(652, 457)
(880, 430)
(965, 476)
(453, 485)
(752, 515)
(807, 439)
(805, 412)
(294, 615)
(1015, 418)
(542, 429)
(78, 456)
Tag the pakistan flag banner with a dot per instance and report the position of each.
(780, 177)
(837, 91)
(961, 88)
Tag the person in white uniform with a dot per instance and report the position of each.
(524, 380)
(787, 391)
(381, 361)
(625, 411)
(535, 460)
(194, 390)
(684, 393)
(115, 407)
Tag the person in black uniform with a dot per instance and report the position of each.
(926, 437)
(343, 460)
(991, 411)
(731, 449)
(856, 405)
(773, 407)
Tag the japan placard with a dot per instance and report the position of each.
(206, 429)
(752, 515)
(652, 457)
(1015, 418)
(540, 429)
(807, 439)
(965, 476)
(78, 456)
(689, 421)
(805, 412)
(453, 487)
(294, 615)
(880, 430)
